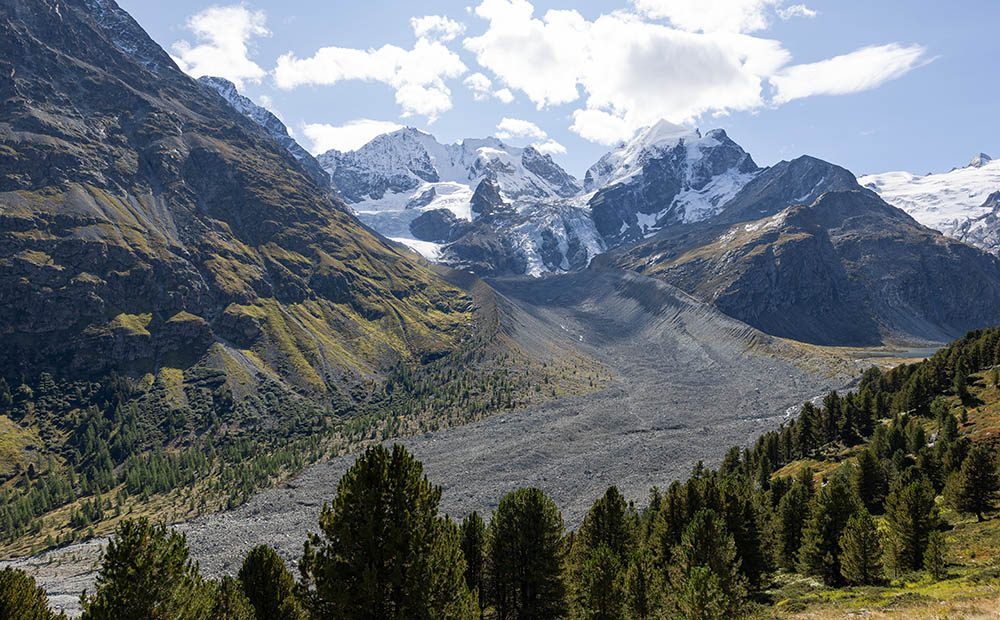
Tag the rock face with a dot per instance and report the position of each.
(438, 226)
(846, 269)
(667, 175)
(141, 214)
(274, 127)
(983, 231)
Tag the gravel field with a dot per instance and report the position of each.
(688, 383)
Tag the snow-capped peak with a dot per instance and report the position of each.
(980, 160)
(941, 201)
(628, 158)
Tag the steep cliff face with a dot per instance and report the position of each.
(667, 175)
(846, 269)
(141, 216)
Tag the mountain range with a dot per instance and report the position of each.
(802, 249)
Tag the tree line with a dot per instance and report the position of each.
(700, 549)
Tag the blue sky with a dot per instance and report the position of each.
(871, 85)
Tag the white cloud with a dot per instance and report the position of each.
(627, 72)
(550, 147)
(417, 75)
(436, 27)
(504, 95)
(480, 86)
(224, 33)
(601, 127)
(858, 71)
(347, 137)
(796, 10)
(710, 15)
(519, 128)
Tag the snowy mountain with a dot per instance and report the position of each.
(945, 201)
(666, 175)
(425, 194)
(271, 123)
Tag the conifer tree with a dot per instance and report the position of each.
(524, 558)
(146, 572)
(829, 512)
(934, 557)
(643, 585)
(977, 483)
(474, 550)
(911, 516)
(230, 602)
(385, 553)
(869, 481)
(705, 579)
(21, 599)
(269, 586)
(859, 550)
(790, 519)
(603, 543)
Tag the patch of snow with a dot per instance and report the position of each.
(941, 201)
(429, 250)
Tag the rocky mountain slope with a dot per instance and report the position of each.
(947, 202)
(144, 222)
(271, 123)
(805, 253)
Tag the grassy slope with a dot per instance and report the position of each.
(972, 587)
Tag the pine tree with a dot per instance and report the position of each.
(829, 512)
(934, 557)
(474, 550)
(525, 556)
(869, 481)
(601, 556)
(21, 599)
(911, 516)
(790, 519)
(385, 552)
(642, 585)
(230, 602)
(859, 550)
(977, 483)
(269, 586)
(146, 572)
(705, 578)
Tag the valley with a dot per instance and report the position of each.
(678, 380)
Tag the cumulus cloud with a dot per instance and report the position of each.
(504, 95)
(710, 15)
(417, 75)
(482, 89)
(224, 34)
(625, 71)
(550, 147)
(796, 10)
(347, 137)
(855, 72)
(518, 128)
(436, 27)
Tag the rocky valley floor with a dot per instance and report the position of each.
(685, 383)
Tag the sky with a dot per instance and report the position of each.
(872, 85)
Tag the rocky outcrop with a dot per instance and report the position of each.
(439, 226)
(983, 231)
